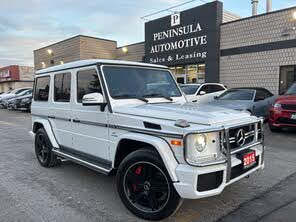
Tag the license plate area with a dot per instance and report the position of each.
(249, 159)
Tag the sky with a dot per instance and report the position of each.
(26, 25)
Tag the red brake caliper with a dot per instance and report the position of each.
(138, 172)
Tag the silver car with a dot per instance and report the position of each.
(252, 99)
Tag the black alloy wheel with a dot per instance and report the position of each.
(145, 187)
(43, 149)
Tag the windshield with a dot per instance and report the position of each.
(292, 90)
(190, 89)
(132, 82)
(238, 94)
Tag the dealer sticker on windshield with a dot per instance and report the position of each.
(293, 116)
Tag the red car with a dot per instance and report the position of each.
(283, 112)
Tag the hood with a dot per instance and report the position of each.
(193, 113)
(286, 99)
(232, 104)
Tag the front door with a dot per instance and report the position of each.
(287, 77)
(90, 132)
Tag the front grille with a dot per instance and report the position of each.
(248, 132)
(286, 121)
(289, 106)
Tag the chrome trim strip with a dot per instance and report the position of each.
(245, 147)
(82, 162)
(228, 157)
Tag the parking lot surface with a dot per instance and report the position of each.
(70, 192)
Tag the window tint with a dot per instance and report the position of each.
(217, 88)
(87, 82)
(42, 89)
(238, 94)
(262, 94)
(190, 89)
(62, 87)
(205, 88)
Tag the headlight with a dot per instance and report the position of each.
(202, 147)
(277, 105)
(200, 142)
(25, 100)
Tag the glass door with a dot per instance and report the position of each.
(287, 77)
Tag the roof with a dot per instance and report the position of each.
(83, 63)
(252, 88)
(77, 36)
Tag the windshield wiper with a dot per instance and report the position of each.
(158, 95)
(128, 96)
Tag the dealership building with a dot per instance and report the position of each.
(14, 76)
(201, 44)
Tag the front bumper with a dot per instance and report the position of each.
(190, 185)
(281, 118)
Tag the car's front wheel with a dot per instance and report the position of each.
(145, 187)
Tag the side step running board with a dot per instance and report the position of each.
(82, 162)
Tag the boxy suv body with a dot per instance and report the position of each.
(132, 119)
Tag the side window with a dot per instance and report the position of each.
(217, 88)
(62, 87)
(42, 89)
(205, 88)
(87, 82)
(262, 94)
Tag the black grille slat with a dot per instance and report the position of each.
(286, 121)
(289, 106)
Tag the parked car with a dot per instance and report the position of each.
(283, 111)
(10, 95)
(5, 93)
(25, 103)
(202, 93)
(10, 103)
(254, 100)
(109, 116)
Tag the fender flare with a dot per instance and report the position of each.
(47, 126)
(162, 148)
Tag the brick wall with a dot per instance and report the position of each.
(258, 68)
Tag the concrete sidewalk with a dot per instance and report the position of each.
(275, 205)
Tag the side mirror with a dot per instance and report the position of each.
(216, 97)
(202, 93)
(94, 99)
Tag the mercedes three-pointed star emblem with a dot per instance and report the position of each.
(240, 137)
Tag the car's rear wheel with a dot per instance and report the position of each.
(43, 149)
(145, 187)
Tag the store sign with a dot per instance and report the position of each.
(5, 75)
(187, 37)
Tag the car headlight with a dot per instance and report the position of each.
(277, 105)
(200, 142)
(202, 147)
(25, 100)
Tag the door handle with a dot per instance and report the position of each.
(51, 117)
(76, 120)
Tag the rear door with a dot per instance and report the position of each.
(61, 107)
(90, 132)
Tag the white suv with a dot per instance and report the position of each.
(132, 119)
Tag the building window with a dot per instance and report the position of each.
(62, 87)
(192, 73)
(42, 88)
(87, 82)
(52, 62)
(287, 77)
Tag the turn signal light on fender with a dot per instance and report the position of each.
(176, 142)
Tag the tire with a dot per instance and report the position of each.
(274, 128)
(43, 149)
(145, 187)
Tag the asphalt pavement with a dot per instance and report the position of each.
(69, 192)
